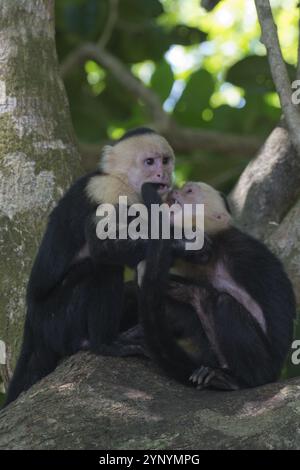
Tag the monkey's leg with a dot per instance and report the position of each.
(130, 313)
(249, 352)
(198, 297)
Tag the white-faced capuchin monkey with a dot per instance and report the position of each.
(76, 288)
(221, 317)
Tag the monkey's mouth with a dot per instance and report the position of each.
(174, 201)
(162, 187)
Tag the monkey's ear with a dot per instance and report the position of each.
(224, 197)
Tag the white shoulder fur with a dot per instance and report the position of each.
(107, 189)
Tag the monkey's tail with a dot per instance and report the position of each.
(31, 367)
(159, 339)
(18, 381)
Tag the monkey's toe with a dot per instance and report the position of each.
(200, 376)
(206, 377)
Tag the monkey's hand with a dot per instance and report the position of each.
(150, 194)
(119, 349)
(129, 343)
(185, 293)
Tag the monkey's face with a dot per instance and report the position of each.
(216, 216)
(142, 159)
(153, 168)
(153, 162)
(190, 193)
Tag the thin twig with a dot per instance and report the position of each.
(122, 74)
(110, 24)
(186, 140)
(298, 59)
(279, 70)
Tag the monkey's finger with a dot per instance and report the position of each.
(199, 375)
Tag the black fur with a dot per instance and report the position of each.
(227, 206)
(136, 132)
(253, 357)
(72, 304)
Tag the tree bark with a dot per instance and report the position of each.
(38, 157)
(268, 187)
(266, 201)
(98, 403)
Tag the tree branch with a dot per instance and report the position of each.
(279, 70)
(122, 74)
(298, 59)
(269, 186)
(110, 24)
(92, 402)
(190, 140)
(187, 140)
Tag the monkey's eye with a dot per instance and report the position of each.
(189, 190)
(149, 161)
(166, 160)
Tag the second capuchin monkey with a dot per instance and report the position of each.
(221, 317)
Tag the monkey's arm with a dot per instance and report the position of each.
(221, 377)
(197, 297)
(201, 256)
(114, 251)
(158, 332)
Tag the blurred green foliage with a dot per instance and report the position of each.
(208, 69)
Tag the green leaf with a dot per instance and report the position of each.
(150, 43)
(256, 117)
(137, 10)
(194, 99)
(253, 74)
(162, 80)
(186, 35)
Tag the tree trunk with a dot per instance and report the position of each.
(266, 201)
(38, 157)
(268, 187)
(112, 403)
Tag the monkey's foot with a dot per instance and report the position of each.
(133, 335)
(121, 349)
(207, 377)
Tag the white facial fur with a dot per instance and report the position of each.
(142, 158)
(216, 216)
